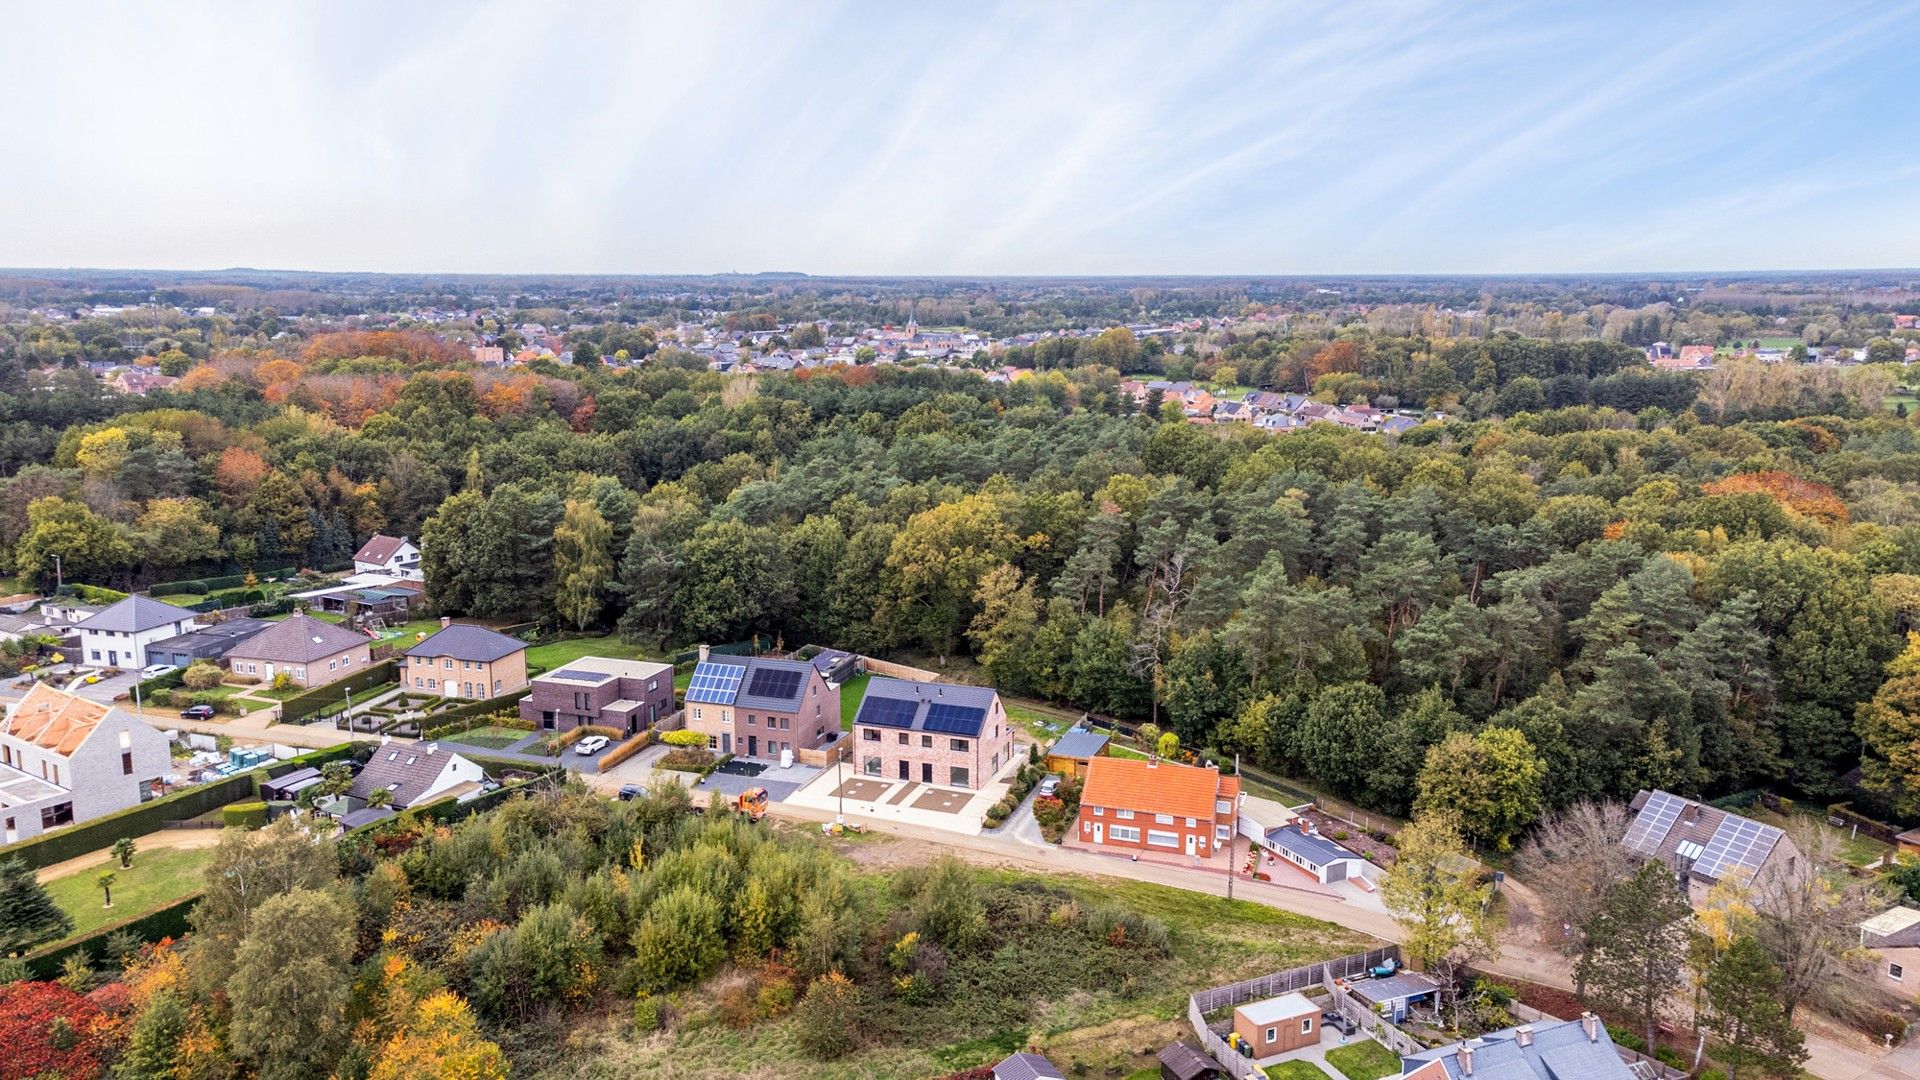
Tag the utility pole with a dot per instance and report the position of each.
(1233, 833)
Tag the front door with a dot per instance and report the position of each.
(904, 774)
(1097, 828)
(1190, 848)
(753, 746)
(726, 742)
(113, 658)
(926, 772)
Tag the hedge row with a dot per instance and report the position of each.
(466, 724)
(101, 832)
(170, 681)
(302, 705)
(162, 922)
(482, 707)
(203, 586)
(626, 750)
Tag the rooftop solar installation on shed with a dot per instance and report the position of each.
(715, 684)
(887, 712)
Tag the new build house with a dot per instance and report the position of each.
(931, 733)
(758, 707)
(1135, 804)
(393, 556)
(64, 759)
(117, 636)
(630, 695)
(306, 650)
(461, 660)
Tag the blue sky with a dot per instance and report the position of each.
(915, 137)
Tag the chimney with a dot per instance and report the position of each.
(1591, 1025)
(1466, 1059)
(704, 653)
(1523, 1034)
(446, 621)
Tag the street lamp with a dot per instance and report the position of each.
(840, 786)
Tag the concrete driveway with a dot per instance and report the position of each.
(108, 688)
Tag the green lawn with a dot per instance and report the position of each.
(157, 878)
(556, 654)
(491, 736)
(1296, 1070)
(852, 692)
(1364, 1060)
(231, 694)
(1114, 749)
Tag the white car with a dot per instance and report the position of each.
(154, 671)
(590, 745)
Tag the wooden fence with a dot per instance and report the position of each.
(1293, 980)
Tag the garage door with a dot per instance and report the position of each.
(1337, 871)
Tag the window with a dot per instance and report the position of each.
(332, 664)
(416, 682)
(1306, 1026)
(449, 663)
(1272, 1034)
(1895, 972)
(869, 735)
(1191, 823)
(903, 738)
(1222, 806)
(1123, 815)
(1161, 838)
(496, 686)
(696, 714)
(750, 722)
(126, 740)
(1126, 833)
(958, 776)
(96, 654)
(926, 741)
(653, 685)
(713, 743)
(1163, 819)
(52, 817)
(126, 763)
(785, 724)
(958, 744)
(432, 685)
(1099, 811)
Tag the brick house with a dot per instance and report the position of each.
(757, 707)
(64, 759)
(1891, 942)
(931, 733)
(309, 651)
(631, 695)
(1278, 1024)
(462, 660)
(1137, 804)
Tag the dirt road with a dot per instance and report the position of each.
(160, 840)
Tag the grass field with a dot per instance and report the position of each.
(1364, 1060)
(156, 879)
(852, 693)
(1296, 1070)
(1780, 342)
(491, 737)
(556, 654)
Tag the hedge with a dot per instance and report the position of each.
(302, 705)
(626, 750)
(171, 680)
(244, 815)
(101, 832)
(203, 586)
(161, 922)
(480, 707)
(505, 719)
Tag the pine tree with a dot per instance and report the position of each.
(1743, 998)
(27, 914)
(1639, 945)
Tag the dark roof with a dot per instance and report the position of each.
(1024, 1066)
(830, 661)
(945, 708)
(379, 548)
(465, 641)
(774, 685)
(1079, 743)
(134, 614)
(407, 769)
(211, 642)
(1186, 1061)
(366, 815)
(1556, 1051)
(1314, 848)
(1405, 984)
(300, 639)
(1703, 840)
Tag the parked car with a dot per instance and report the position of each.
(154, 671)
(1048, 786)
(197, 712)
(590, 745)
(630, 792)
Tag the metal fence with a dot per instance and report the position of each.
(1293, 980)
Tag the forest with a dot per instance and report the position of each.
(1697, 584)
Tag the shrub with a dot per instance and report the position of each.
(686, 759)
(828, 1016)
(626, 750)
(202, 675)
(248, 815)
(649, 1014)
(282, 681)
(684, 738)
(679, 941)
(1670, 1056)
(776, 998)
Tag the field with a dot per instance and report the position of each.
(1364, 1060)
(491, 736)
(556, 654)
(156, 879)
(1779, 342)
(1108, 1032)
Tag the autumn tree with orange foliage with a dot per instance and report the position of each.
(1805, 497)
(408, 346)
(239, 472)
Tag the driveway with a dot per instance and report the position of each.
(780, 783)
(1021, 825)
(108, 688)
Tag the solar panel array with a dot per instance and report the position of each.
(887, 712)
(955, 719)
(1739, 843)
(1655, 821)
(582, 676)
(716, 684)
(774, 683)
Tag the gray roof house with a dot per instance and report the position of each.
(1560, 1050)
(1025, 1066)
(415, 773)
(465, 641)
(309, 651)
(136, 613)
(1305, 847)
(117, 636)
(1702, 843)
(932, 733)
(207, 643)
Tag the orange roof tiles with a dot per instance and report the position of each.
(53, 720)
(1159, 787)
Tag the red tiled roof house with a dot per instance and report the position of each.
(1151, 805)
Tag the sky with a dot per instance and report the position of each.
(914, 137)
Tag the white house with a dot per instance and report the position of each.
(392, 556)
(64, 759)
(118, 635)
(416, 773)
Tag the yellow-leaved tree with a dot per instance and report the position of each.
(440, 1042)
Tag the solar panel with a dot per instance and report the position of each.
(716, 684)
(887, 712)
(774, 683)
(955, 719)
(582, 676)
(1739, 843)
(1655, 821)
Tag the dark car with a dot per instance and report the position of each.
(630, 792)
(197, 712)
